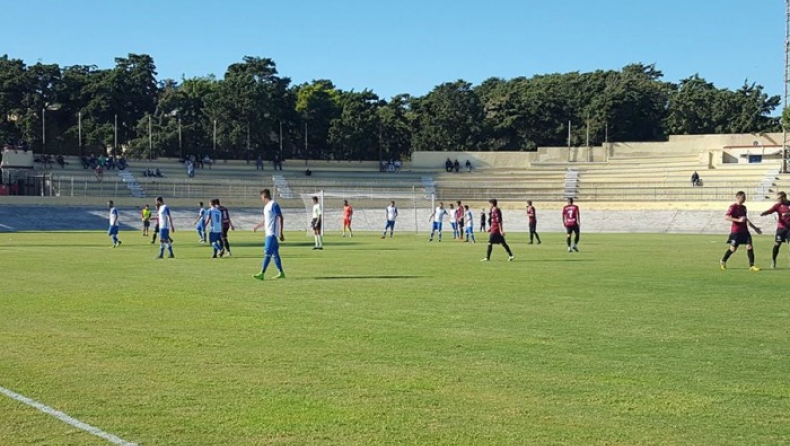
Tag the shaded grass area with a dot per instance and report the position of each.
(638, 339)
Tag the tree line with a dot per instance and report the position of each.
(254, 110)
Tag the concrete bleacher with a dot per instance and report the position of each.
(621, 177)
(663, 177)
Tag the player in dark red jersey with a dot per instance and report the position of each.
(227, 225)
(739, 232)
(533, 222)
(496, 232)
(571, 219)
(782, 208)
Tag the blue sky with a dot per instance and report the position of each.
(409, 46)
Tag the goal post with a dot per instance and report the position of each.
(369, 208)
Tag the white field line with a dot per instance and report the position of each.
(65, 418)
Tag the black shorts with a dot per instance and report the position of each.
(533, 226)
(782, 235)
(496, 238)
(572, 229)
(146, 224)
(739, 238)
(315, 224)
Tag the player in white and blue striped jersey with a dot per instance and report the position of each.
(114, 226)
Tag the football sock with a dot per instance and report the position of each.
(315, 239)
(488, 251)
(531, 236)
(161, 249)
(576, 240)
(538, 237)
(227, 245)
(278, 263)
(507, 248)
(266, 260)
(726, 256)
(568, 240)
(775, 252)
(750, 255)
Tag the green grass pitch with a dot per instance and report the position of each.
(636, 340)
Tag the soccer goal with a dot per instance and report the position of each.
(369, 209)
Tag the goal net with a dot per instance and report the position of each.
(413, 206)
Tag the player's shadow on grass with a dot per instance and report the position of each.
(365, 277)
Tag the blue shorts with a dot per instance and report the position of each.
(390, 225)
(271, 246)
(437, 226)
(164, 234)
(113, 230)
(200, 227)
(470, 230)
(214, 237)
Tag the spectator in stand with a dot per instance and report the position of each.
(258, 163)
(84, 162)
(92, 161)
(61, 161)
(695, 180)
(448, 165)
(122, 163)
(102, 161)
(99, 171)
(468, 166)
(207, 159)
(278, 162)
(457, 166)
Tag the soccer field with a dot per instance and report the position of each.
(637, 339)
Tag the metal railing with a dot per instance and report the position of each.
(114, 187)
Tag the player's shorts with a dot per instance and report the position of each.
(572, 229)
(437, 226)
(214, 237)
(739, 238)
(461, 223)
(225, 229)
(113, 230)
(164, 234)
(533, 226)
(782, 235)
(200, 227)
(496, 238)
(271, 246)
(315, 224)
(390, 225)
(146, 224)
(346, 222)
(470, 230)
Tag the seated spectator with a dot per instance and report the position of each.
(84, 162)
(190, 170)
(61, 161)
(456, 166)
(99, 171)
(278, 162)
(102, 161)
(207, 160)
(448, 165)
(398, 165)
(122, 163)
(110, 164)
(258, 163)
(383, 166)
(92, 161)
(158, 173)
(695, 179)
(468, 166)
(308, 172)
